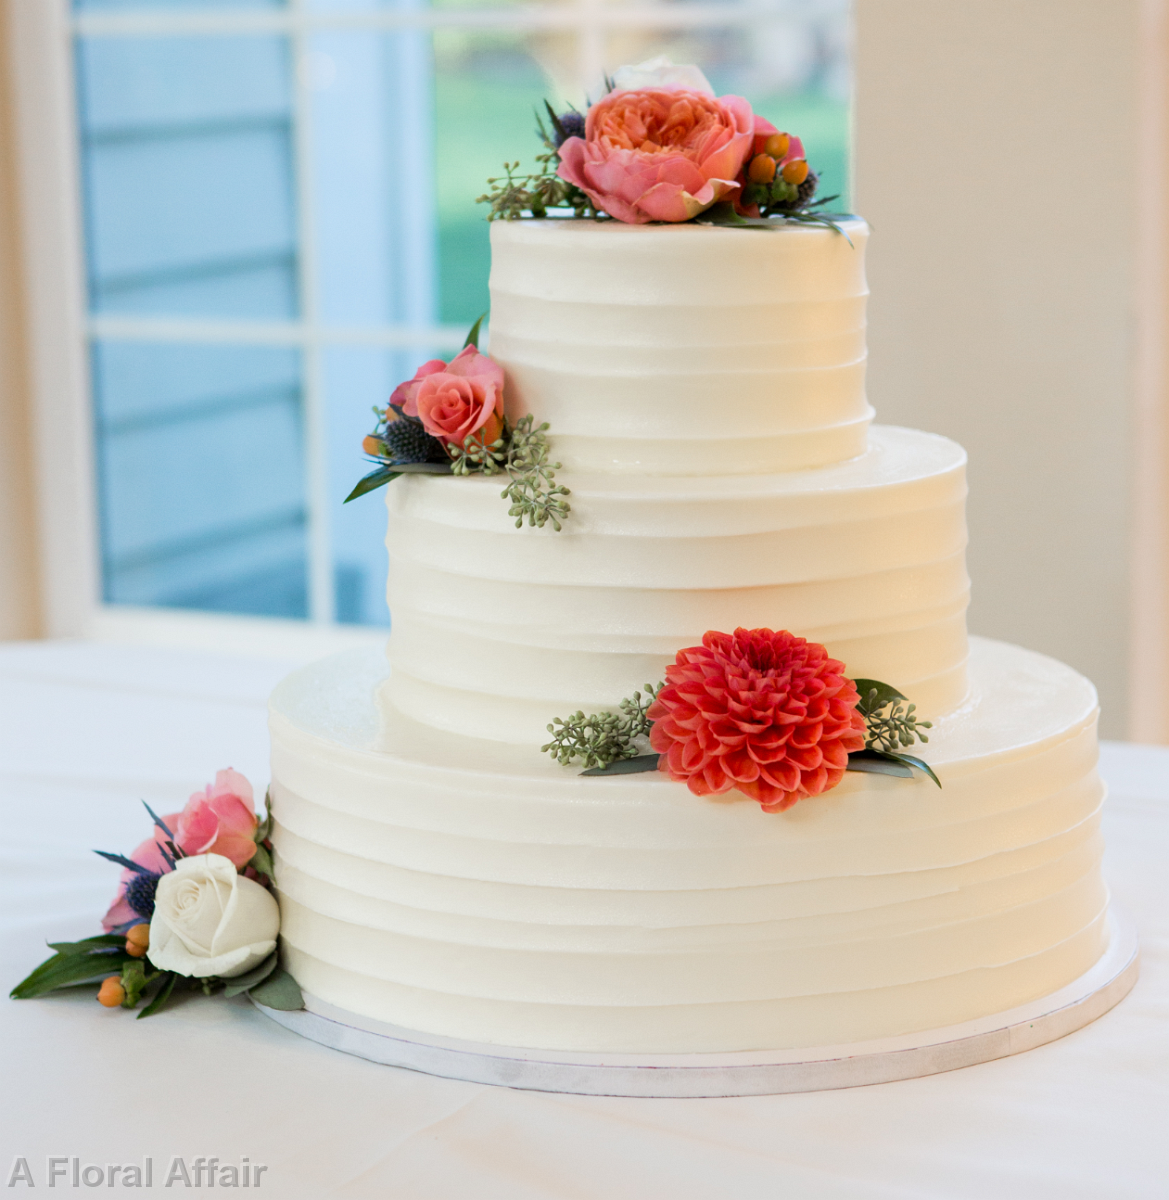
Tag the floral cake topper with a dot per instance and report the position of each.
(661, 146)
(762, 712)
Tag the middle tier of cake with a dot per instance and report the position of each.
(497, 630)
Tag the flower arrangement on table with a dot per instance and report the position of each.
(661, 146)
(766, 713)
(194, 903)
(449, 420)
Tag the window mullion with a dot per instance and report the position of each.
(321, 592)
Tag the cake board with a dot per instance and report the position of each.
(749, 1073)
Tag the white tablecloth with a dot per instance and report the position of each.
(87, 730)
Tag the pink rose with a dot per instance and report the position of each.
(405, 394)
(221, 819)
(657, 154)
(148, 855)
(464, 398)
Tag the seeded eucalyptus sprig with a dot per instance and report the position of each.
(532, 488)
(522, 455)
(476, 457)
(891, 723)
(512, 195)
(602, 738)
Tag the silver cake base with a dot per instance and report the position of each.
(750, 1073)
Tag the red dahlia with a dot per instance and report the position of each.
(768, 713)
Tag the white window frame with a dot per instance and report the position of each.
(42, 36)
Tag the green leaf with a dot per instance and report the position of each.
(161, 996)
(65, 969)
(920, 764)
(264, 827)
(243, 983)
(372, 481)
(886, 694)
(722, 213)
(888, 762)
(473, 336)
(262, 861)
(87, 945)
(135, 980)
(426, 468)
(826, 220)
(870, 762)
(280, 991)
(627, 766)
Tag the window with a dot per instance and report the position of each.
(280, 223)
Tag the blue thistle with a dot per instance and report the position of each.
(140, 893)
(569, 124)
(407, 441)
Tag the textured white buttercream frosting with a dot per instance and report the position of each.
(497, 630)
(475, 890)
(687, 349)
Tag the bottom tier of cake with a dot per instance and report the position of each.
(477, 890)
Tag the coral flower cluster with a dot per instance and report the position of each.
(767, 713)
(654, 154)
(457, 399)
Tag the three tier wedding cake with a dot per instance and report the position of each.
(703, 388)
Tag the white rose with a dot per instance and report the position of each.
(661, 73)
(210, 920)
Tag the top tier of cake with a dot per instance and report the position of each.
(682, 349)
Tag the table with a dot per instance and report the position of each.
(88, 729)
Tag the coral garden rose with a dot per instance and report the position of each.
(210, 920)
(660, 153)
(768, 713)
(465, 397)
(221, 819)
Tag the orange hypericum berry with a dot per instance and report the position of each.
(139, 935)
(796, 171)
(112, 993)
(762, 169)
(777, 145)
(372, 445)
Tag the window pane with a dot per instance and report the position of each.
(202, 492)
(187, 159)
(488, 89)
(356, 379)
(373, 178)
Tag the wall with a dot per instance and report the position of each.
(19, 599)
(997, 154)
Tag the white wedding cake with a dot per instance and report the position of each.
(704, 389)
